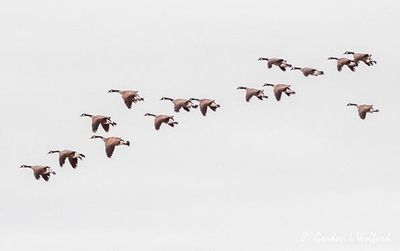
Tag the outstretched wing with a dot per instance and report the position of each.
(177, 107)
(105, 126)
(249, 94)
(95, 125)
(61, 159)
(110, 150)
(46, 176)
(278, 94)
(157, 123)
(203, 109)
(362, 113)
(73, 161)
(128, 102)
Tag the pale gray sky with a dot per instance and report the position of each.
(251, 176)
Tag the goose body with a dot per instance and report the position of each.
(111, 143)
(363, 109)
(40, 171)
(307, 71)
(279, 89)
(160, 119)
(72, 157)
(252, 92)
(97, 120)
(204, 104)
(128, 96)
(279, 62)
(180, 103)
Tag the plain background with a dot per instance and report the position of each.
(251, 176)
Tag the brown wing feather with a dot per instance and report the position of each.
(362, 113)
(109, 150)
(105, 126)
(45, 176)
(73, 161)
(203, 109)
(128, 101)
(278, 94)
(249, 95)
(61, 159)
(95, 125)
(157, 123)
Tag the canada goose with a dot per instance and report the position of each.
(205, 103)
(364, 109)
(279, 88)
(179, 103)
(364, 57)
(72, 156)
(344, 61)
(111, 143)
(105, 121)
(128, 97)
(40, 171)
(281, 63)
(159, 119)
(250, 92)
(308, 71)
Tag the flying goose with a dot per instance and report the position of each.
(159, 119)
(281, 63)
(344, 61)
(179, 103)
(250, 92)
(364, 57)
(279, 89)
(111, 143)
(72, 156)
(128, 96)
(40, 171)
(364, 109)
(308, 71)
(97, 120)
(205, 103)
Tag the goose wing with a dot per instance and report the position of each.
(278, 93)
(110, 150)
(105, 126)
(203, 108)
(73, 161)
(95, 124)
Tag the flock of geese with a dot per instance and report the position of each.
(130, 97)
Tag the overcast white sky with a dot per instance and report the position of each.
(251, 176)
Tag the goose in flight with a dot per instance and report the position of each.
(307, 71)
(72, 156)
(206, 103)
(180, 103)
(97, 120)
(128, 96)
(340, 62)
(279, 62)
(279, 89)
(252, 92)
(363, 57)
(111, 143)
(363, 109)
(40, 171)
